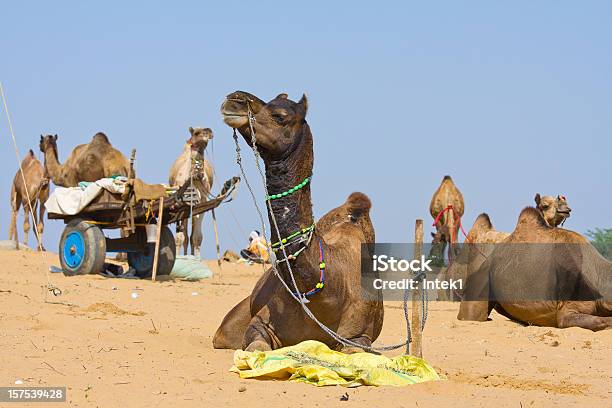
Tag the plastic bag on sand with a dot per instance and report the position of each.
(190, 268)
(314, 363)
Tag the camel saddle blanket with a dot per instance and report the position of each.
(71, 200)
(314, 363)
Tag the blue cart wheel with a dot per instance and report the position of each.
(74, 249)
(82, 248)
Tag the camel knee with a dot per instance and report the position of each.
(256, 337)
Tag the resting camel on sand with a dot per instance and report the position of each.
(270, 318)
(190, 163)
(37, 184)
(540, 275)
(447, 195)
(87, 162)
(484, 236)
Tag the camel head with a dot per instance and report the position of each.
(48, 141)
(278, 124)
(199, 138)
(554, 210)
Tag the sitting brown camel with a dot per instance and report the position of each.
(270, 318)
(482, 237)
(191, 163)
(37, 184)
(87, 162)
(543, 276)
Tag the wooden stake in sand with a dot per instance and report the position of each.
(451, 245)
(159, 228)
(214, 217)
(417, 296)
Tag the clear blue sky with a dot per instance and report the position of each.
(510, 98)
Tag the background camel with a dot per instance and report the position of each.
(87, 162)
(554, 210)
(446, 195)
(192, 162)
(37, 185)
(543, 276)
(482, 237)
(270, 318)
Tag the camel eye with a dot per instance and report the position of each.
(278, 117)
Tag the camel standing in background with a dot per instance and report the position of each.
(87, 162)
(37, 184)
(190, 163)
(446, 195)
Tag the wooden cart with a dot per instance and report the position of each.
(83, 246)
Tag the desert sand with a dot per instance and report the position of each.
(111, 349)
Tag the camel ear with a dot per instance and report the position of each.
(303, 103)
(433, 235)
(42, 138)
(210, 133)
(537, 199)
(190, 130)
(55, 138)
(282, 96)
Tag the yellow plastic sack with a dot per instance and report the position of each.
(313, 362)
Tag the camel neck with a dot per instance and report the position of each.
(53, 166)
(293, 211)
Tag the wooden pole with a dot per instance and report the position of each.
(417, 295)
(452, 243)
(214, 217)
(159, 229)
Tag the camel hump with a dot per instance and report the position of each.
(358, 204)
(483, 221)
(100, 137)
(531, 217)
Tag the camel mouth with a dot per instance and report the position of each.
(565, 213)
(234, 119)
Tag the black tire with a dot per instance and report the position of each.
(142, 261)
(82, 248)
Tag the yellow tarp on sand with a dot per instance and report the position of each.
(313, 362)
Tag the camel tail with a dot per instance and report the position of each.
(358, 204)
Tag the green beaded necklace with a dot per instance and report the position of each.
(290, 191)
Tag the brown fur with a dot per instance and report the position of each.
(180, 173)
(270, 318)
(37, 190)
(446, 194)
(87, 162)
(579, 262)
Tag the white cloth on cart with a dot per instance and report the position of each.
(71, 200)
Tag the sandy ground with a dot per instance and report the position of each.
(111, 350)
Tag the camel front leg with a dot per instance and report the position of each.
(41, 226)
(196, 235)
(259, 336)
(362, 340)
(179, 240)
(26, 223)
